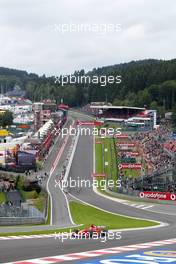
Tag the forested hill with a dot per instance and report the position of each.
(10, 77)
(146, 82)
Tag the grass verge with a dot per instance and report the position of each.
(99, 160)
(40, 201)
(86, 215)
(3, 198)
(48, 211)
(26, 195)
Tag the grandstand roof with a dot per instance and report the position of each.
(116, 107)
(44, 129)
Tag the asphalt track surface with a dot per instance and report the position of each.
(82, 167)
(60, 216)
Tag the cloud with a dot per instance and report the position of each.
(29, 40)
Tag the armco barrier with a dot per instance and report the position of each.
(8, 221)
(134, 196)
(71, 158)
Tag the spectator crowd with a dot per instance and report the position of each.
(153, 146)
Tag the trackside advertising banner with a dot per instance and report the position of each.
(158, 195)
(125, 144)
(98, 174)
(132, 154)
(131, 166)
(91, 123)
(123, 136)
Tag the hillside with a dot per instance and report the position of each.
(146, 82)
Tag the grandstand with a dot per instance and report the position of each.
(130, 116)
(147, 154)
(170, 146)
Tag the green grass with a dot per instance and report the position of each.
(114, 160)
(98, 158)
(107, 157)
(29, 195)
(3, 198)
(39, 202)
(132, 173)
(48, 212)
(111, 170)
(86, 215)
(110, 156)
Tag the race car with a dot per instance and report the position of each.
(98, 231)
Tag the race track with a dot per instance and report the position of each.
(82, 167)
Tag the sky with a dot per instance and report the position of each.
(56, 37)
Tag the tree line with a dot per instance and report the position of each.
(147, 82)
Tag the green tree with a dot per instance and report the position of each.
(6, 119)
(174, 117)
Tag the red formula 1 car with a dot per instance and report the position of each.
(98, 231)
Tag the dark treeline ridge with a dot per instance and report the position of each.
(145, 82)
